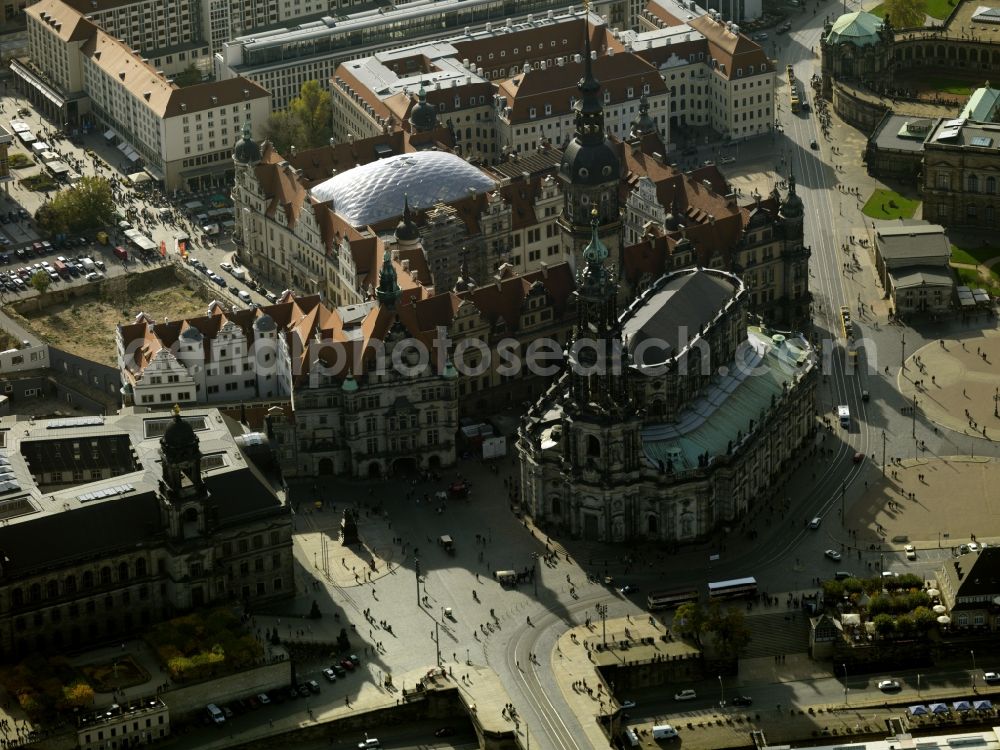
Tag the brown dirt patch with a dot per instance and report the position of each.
(120, 673)
(86, 327)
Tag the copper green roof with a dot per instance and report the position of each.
(858, 28)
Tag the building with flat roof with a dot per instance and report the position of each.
(111, 524)
(142, 721)
(959, 183)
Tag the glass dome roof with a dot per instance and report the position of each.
(373, 192)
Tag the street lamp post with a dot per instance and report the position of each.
(996, 403)
(416, 569)
(535, 577)
(602, 610)
(722, 695)
(883, 452)
(918, 684)
(973, 654)
(914, 417)
(845, 683)
(902, 352)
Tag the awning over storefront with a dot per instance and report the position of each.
(123, 147)
(110, 134)
(155, 173)
(131, 155)
(29, 77)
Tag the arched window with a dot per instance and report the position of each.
(593, 446)
(191, 515)
(35, 592)
(105, 575)
(52, 590)
(652, 525)
(991, 185)
(69, 585)
(140, 567)
(88, 579)
(17, 597)
(122, 572)
(973, 182)
(556, 506)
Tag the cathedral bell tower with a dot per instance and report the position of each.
(590, 171)
(596, 358)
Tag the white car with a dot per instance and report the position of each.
(991, 677)
(911, 552)
(888, 685)
(814, 524)
(973, 547)
(263, 699)
(685, 695)
(94, 276)
(628, 704)
(226, 266)
(833, 555)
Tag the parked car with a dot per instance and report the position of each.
(94, 276)
(292, 692)
(991, 677)
(628, 589)
(338, 670)
(742, 700)
(226, 266)
(888, 686)
(262, 699)
(833, 555)
(313, 686)
(685, 695)
(354, 658)
(444, 732)
(329, 675)
(304, 691)
(911, 552)
(628, 704)
(347, 664)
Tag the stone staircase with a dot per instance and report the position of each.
(773, 633)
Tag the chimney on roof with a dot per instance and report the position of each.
(711, 219)
(246, 93)
(611, 51)
(333, 142)
(184, 107)
(121, 74)
(215, 100)
(593, 54)
(292, 149)
(146, 95)
(577, 58)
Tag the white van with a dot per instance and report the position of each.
(215, 713)
(244, 296)
(632, 737)
(664, 732)
(844, 415)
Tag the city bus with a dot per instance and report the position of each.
(670, 599)
(732, 589)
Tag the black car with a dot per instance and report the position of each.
(304, 691)
(742, 700)
(293, 692)
(338, 670)
(813, 145)
(444, 732)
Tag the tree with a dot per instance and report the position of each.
(87, 205)
(905, 14)
(728, 626)
(40, 281)
(78, 695)
(689, 620)
(924, 617)
(306, 123)
(189, 76)
(883, 624)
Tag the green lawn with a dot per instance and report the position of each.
(887, 204)
(949, 85)
(939, 9)
(973, 255)
(970, 277)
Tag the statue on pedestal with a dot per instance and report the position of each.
(349, 529)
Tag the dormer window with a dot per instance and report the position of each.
(548, 109)
(532, 113)
(645, 88)
(607, 97)
(631, 93)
